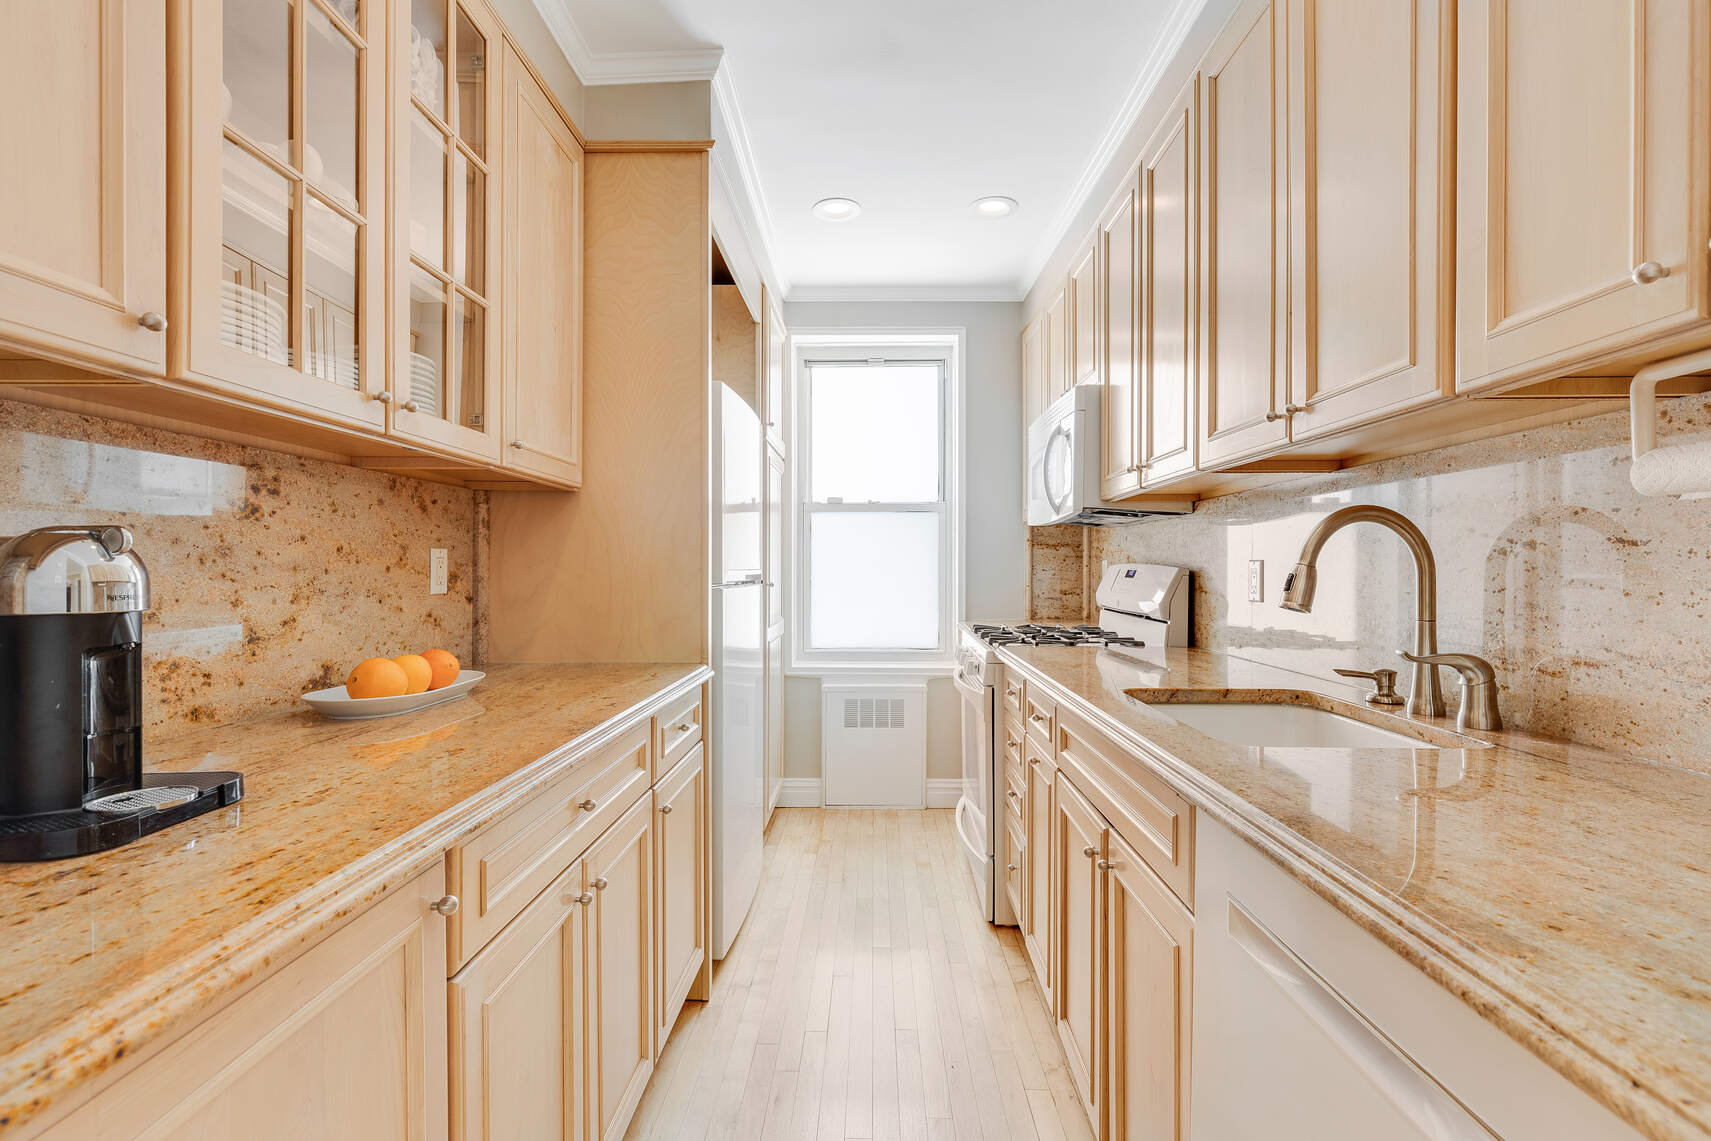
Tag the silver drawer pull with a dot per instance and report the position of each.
(1649, 271)
(1010, 867)
(600, 884)
(1106, 865)
(153, 322)
(1038, 718)
(683, 727)
(1011, 793)
(1090, 851)
(665, 810)
(445, 905)
(584, 899)
(589, 805)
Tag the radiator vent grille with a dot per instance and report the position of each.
(874, 713)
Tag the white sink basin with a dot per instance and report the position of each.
(1269, 725)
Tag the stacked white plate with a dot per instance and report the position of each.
(339, 368)
(425, 384)
(253, 322)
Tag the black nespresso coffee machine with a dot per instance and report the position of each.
(71, 698)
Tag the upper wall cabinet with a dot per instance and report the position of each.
(1243, 303)
(1084, 316)
(1582, 168)
(1368, 138)
(1168, 276)
(445, 124)
(280, 152)
(1119, 252)
(1033, 376)
(1056, 345)
(83, 207)
(543, 283)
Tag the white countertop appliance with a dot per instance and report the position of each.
(1142, 609)
(1063, 468)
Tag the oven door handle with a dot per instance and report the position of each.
(968, 688)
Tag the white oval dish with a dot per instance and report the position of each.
(336, 705)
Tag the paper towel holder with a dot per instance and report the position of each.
(1642, 395)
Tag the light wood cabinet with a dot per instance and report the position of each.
(1055, 345)
(776, 369)
(681, 882)
(1148, 991)
(1166, 337)
(542, 298)
(1242, 219)
(1084, 316)
(1368, 136)
(1582, 170)
(1036, 913)
(518, 1036)
(619, 872)
(1119, 261)
(83, 206)
(345, 1043)
(280, 166)
(1078, 851)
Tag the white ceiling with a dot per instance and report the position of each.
(914, 108)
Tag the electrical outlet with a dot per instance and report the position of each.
(1256, 580)
(437, 570)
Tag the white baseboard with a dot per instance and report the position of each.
(809, 792)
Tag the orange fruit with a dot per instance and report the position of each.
(445, 668)
(378, 677)
(417, 669)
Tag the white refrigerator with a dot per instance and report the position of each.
(738, 644)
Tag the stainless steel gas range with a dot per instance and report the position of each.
(1142, 608)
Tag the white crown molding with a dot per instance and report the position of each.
(828, 294)
(734, 165)
(1165, 48)
(602, 69)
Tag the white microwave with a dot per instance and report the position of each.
(1063, 467)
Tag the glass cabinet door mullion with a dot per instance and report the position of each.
(355, 33)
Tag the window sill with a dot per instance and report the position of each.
(889, 669)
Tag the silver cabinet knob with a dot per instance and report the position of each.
(1009, 867)
(1105, 865)
(1273, 417)
(153, 322)
(600, 884)
(1292, 409)
(1649, 271)
(588, 805)
(683, 727)
(383, 397)
(584, 899)
(411, 406)
(1090, 851)
(665, 810)
(445, 905)
(518, 444)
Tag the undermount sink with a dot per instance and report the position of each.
(1285, 720)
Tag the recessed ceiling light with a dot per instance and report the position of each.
(836, 209)
(994, 206)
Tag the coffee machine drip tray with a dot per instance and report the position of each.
(163, 800)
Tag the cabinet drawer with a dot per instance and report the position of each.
(1015, 788)
(677, 728)
(1012, 860)
(1010, 751)
(1152, 818)
(498, 871)
(1010, 695)
(1038, 715)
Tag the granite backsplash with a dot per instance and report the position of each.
(1592, 602)
(271, 574)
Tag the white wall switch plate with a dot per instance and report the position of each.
(1256, 580)
(436, 570)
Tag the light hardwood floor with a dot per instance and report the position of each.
(866, 997)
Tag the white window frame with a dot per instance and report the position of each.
(945, 348)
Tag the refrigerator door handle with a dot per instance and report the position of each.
(752, 580)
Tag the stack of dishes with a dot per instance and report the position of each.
(425, 384)
(338, 367)
(253, 322)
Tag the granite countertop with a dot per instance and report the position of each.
(1560, 891)
(101, 954)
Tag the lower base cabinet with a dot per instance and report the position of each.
(1078, 850)
(620, 975)
(680, 842)
(345, 1043)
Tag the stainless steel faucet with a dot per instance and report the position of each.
(1425, 699)
(1478, 688)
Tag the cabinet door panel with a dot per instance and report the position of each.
(1084, 317)
(1078, 844)
(1119, 248)
(1168, 280)
(1037, 866)
(1578, 160)
(1148, 974)
(1057, 346)
(543, 297)
(1241, 221)
(359, 1019)
(517, 1028)
(83, 235)
(681, 873)
(1369, 119)
(619, 871)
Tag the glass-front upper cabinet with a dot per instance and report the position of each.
(446, 126)
(283, 276)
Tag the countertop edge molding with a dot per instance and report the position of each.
(158, 1005)
(1544, 1024)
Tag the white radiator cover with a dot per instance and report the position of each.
(873, 750)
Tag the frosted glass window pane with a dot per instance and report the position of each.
(875, 435)
(875, 580)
